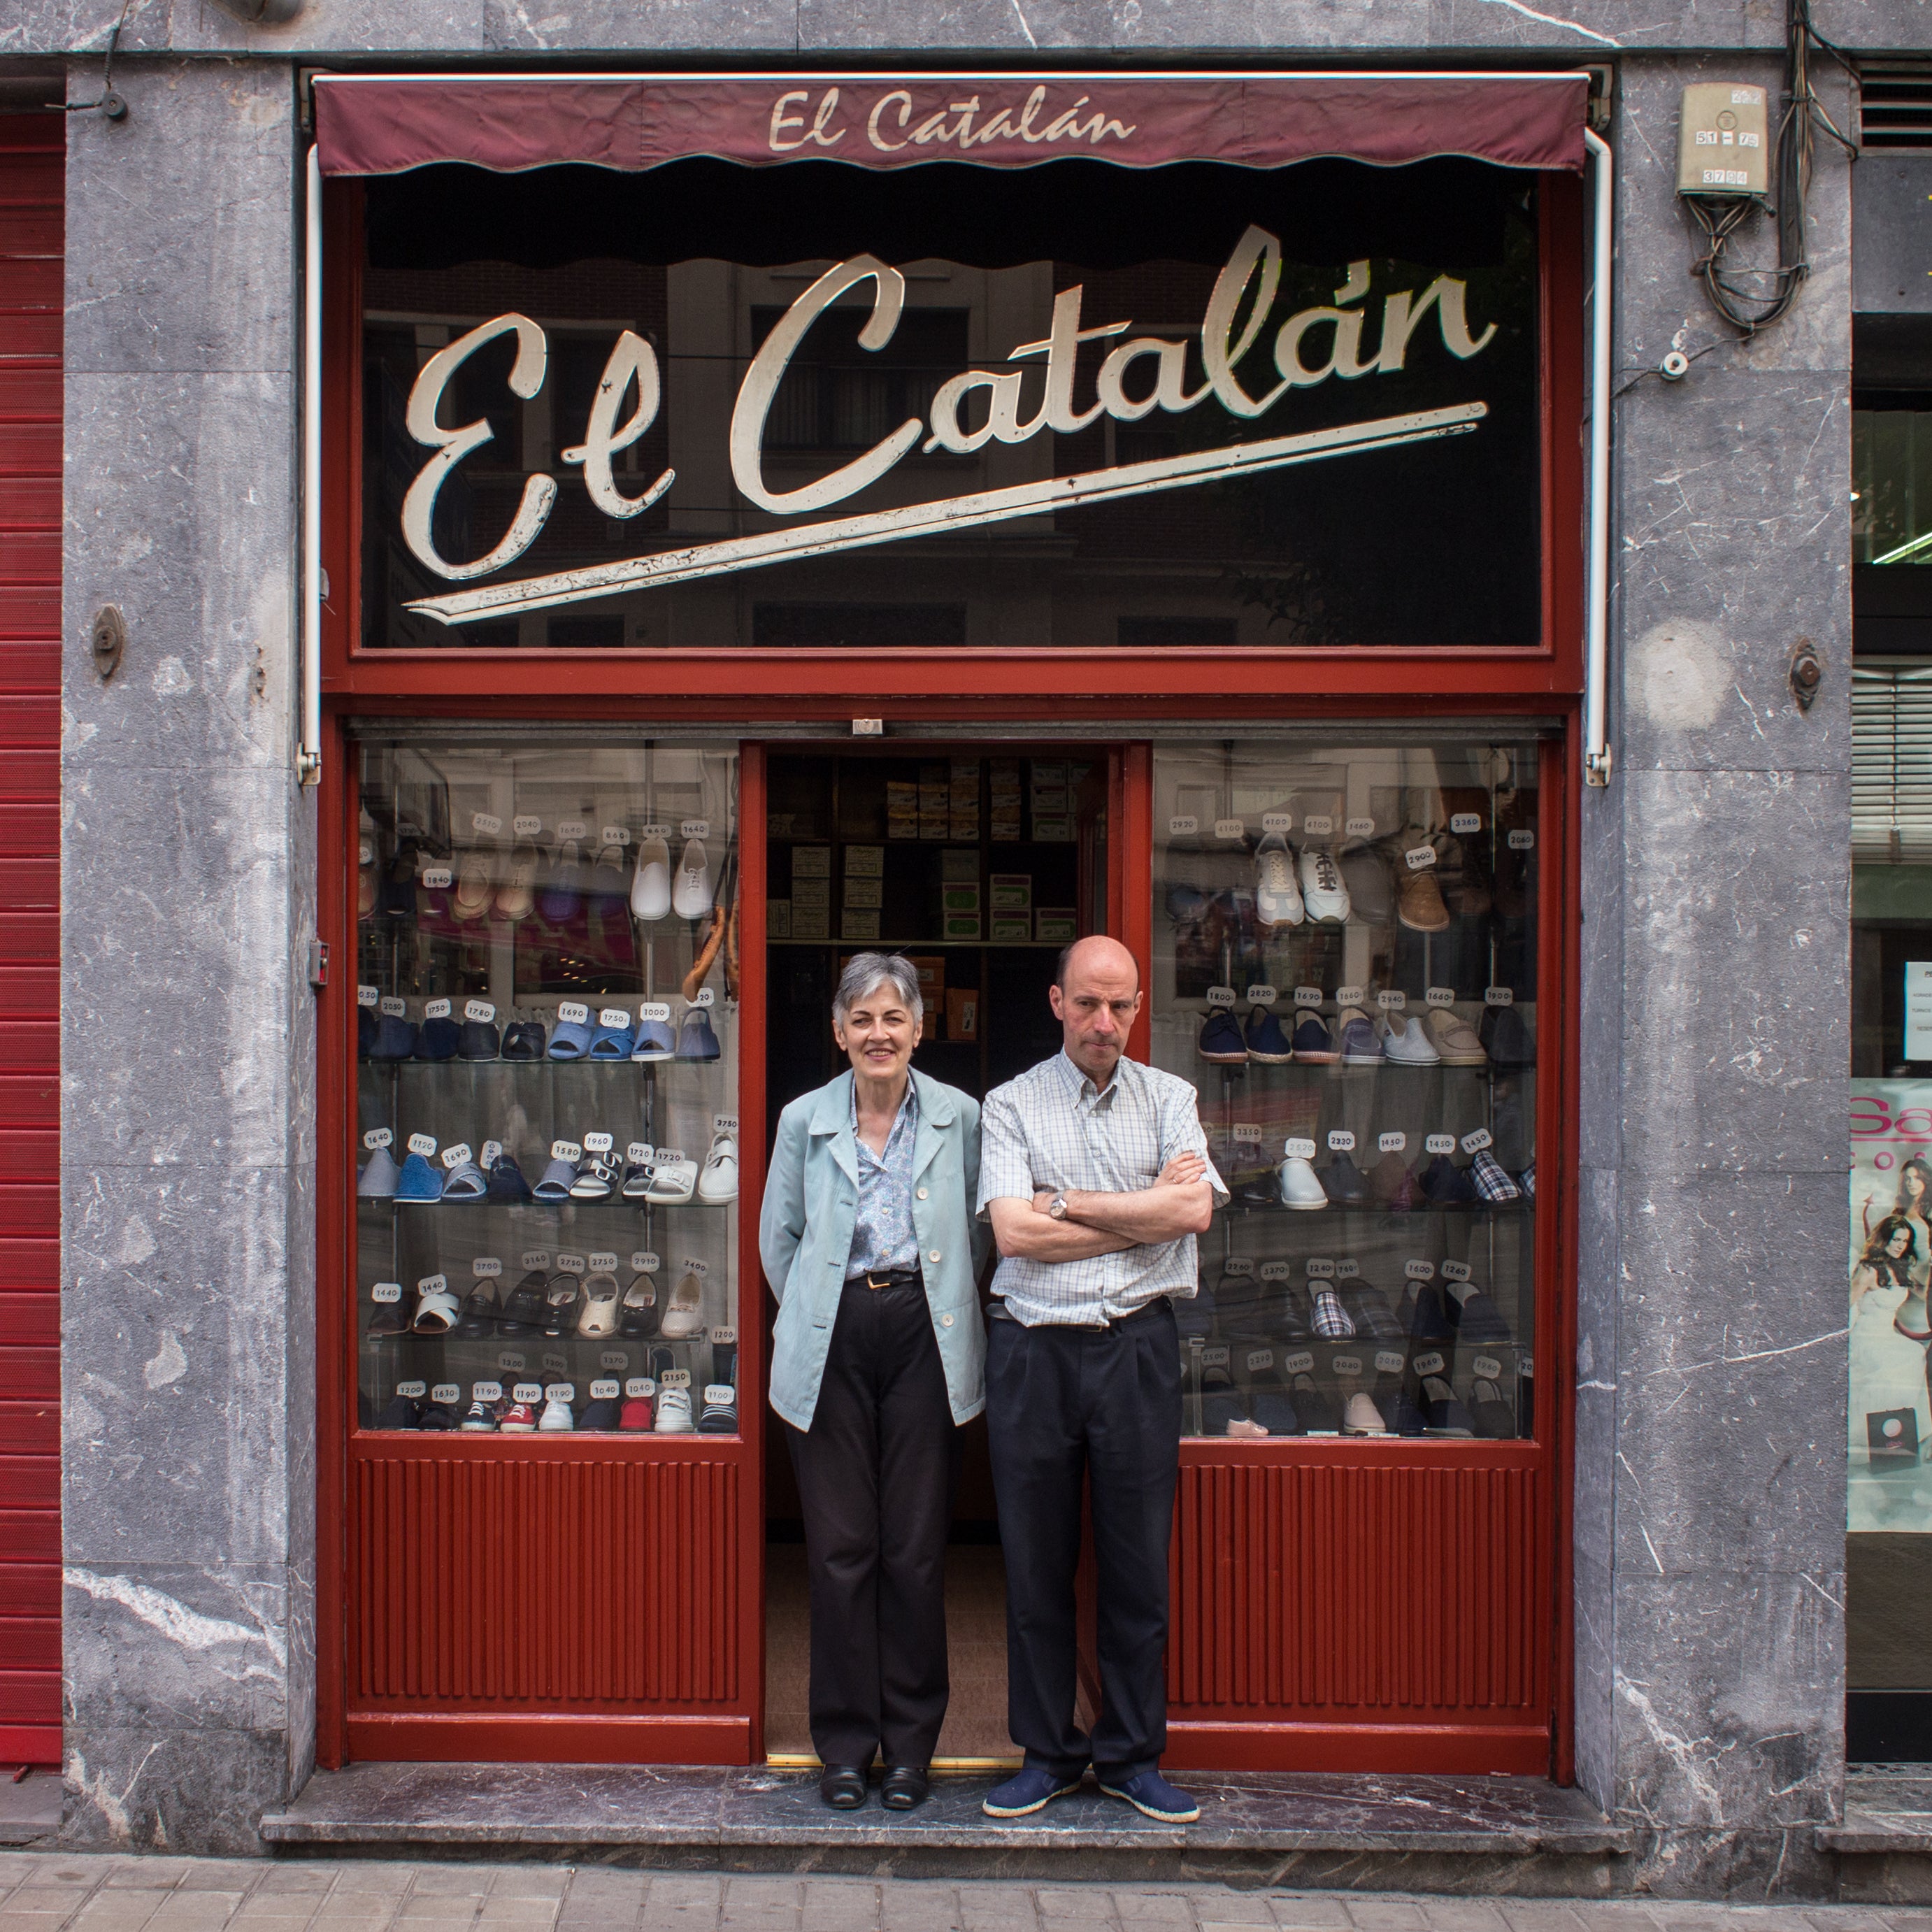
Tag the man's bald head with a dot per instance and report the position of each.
(1095, 995)
(1095, 950)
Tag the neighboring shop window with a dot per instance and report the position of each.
(547, 1087)
(1072, 405)
(1892, 521)
(1345, 966)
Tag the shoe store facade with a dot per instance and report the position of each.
(566, 540)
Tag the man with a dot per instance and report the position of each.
(1094, 1173)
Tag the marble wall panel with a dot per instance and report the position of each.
(148, 1788)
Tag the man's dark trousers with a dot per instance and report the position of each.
(1062, 1403)
(876, 1472)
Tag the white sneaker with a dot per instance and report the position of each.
(719, 1183)
(1362, 1417)
(1411, 1047)
(1299, 1185)
(1324, 894)
(1277, 898)
(650, 888)
(673, 1412)
(684, 1317)
(557, 1415)
(690, 894)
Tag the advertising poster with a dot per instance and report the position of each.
(1889, 1267)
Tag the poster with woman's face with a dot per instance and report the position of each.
(1888, 1265)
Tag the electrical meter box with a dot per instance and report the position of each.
(1723, 143)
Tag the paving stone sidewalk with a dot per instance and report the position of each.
(48, 1891)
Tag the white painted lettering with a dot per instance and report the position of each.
(1221, 349)
(781, 121)
(632, 360)
(872, 133)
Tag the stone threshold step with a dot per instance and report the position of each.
(608, 1811)
(1887, 1812)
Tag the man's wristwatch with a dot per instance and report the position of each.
(1057, 1207)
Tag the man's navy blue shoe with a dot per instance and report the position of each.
(1151, 1795)
(1032, 1790)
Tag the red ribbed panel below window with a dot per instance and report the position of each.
(568, 1585)
(1332, 1594)
(32, 161)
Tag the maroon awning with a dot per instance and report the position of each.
(382, 125)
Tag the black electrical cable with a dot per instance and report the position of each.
(110, 103)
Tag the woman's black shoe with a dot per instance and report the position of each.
(905, 1786)
(843, 1787)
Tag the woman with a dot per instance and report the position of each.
(1887, 1260)
(871, 1244)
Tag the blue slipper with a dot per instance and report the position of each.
(476, 1039)
(611, 1043)
(466, 1182)
(696, 1041)
(524, 1039)
(654, 1041)
(438, 1040)
(377, 1180)
(555, 1185)
(419, 1181)
(395, 1039)
(571, 1041)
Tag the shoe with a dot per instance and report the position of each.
(377, 1180)
(637, 1183)
(671, 1182)
(650, 885)
(843, 1785)
(508, 1187)
(674, 1412)
(718, 1182)
(905, 1787)
(690, 891)
(388, 1320)
(1372, 1315)
(1445, 1415)
(1221, 1040)
(1292, 1311)
(684, 1317)
(1418, 901)
(1313, 1043)
(418, 1180)
(1456, 1041)
(570, 1039)
(1312, 1405)
(1360, 1417)
(599, 1417)
(696, 1041)
(1195, 1317)
(466, 1182)
(1333, 1322)
(1274, 1414)
(480, 1419)
(523, 1305)
(595, 1179)
(520, 1419)
(1401, 1415)
(557, 1417)
(1444, 1184)
(654, 1041)
(1479, 1319)
(1324, 895)
(438, 1040)
(598, 1320)
(438, 1415)
(561, 1299)
(636, 1417)
(1030, 1790)
(1344, 1182)
(720, 1410)
(404, 1412)
(516, 897)
(1359, 1047)
(1490, 1418)
(1429, 1320)
(557, 1180)
(1526, 1180)
(1151, 1796)
(479, 1313)
(609, 884)
(524, 1039)
(1508, 1037)
(1299, 1187)
(1410, 1047)
(564, 890)
(478, 1039)
(1277, 897)
(1492, 1179)
(611, 1042)
(1265, 1039)
(1391, 1184)
(638, 1321)
(1365, 874)
(368, 1031)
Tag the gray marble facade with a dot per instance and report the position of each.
(1711, 1371)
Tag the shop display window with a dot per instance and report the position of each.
(547, 1134)
(1345, 965)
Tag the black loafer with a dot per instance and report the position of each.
(906, 1785)
(842, 1787)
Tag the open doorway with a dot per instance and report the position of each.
(979, 863)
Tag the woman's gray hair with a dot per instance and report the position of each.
(865, 971)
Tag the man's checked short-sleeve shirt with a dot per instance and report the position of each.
(1050, 1129)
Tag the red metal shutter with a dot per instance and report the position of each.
(32, 159)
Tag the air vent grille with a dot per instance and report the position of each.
(1895, 105)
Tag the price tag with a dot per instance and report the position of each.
(1260, 996)
(1299, 1363)
(436, 877)
(487, 1268)
(604, 1391)
(1419, 1270)
(433, 1284)
(1183, 825)
(1463, 823)
(1260, 1360)
(422, 1144)
(1487, 1367)
(724, 1124)
(569, 1264)
(385, 1293)
(1247, 1130)
(396, 1009)
(565, 1150)
(1419, 858)
(694, 828)
(436, 1009)
(1341, 1141)
(613, 835)
(511, 1362)
(1430, 1364)
(1239, 1266)
(700, 1269)
(1522, 841)
(535, 1259)
(1221, 996)
(1348, 996)
(1347, 1270)
(1497, 996)
(644, 1261)
(493, 1152)
(1319, 825)
(724, 1338)
(640, 1388)
(599, 1143)
(377, 1137)
(675, 1378)
(1438, 1143)
(479, 1009)
(1308, 996)
(572, 828)
(1525, 1366)
(1319, 1268)
(527, 1392)
(367, 996)
(1455, 1271)
(1440, 996)
(1298, 1147)
(1393, 1143)
(486, 1391)
(1360, 828)
(454, 1157)
(614, 1361)
(445, 1392)
(603, 1263)
(654, 1009)
(1478, 1138)
(559, 1391)
(1275, 1270)
(613, 1016)
(705, 998)
(1390, 1362)
(415, 1391)
(1214, 1358)
(573, 1012)
(526, 825)
(667, 1156)
(1345, 1365)
(367, 854)
(1230, 828)
(639, 1153)
(1391, 1002)
(1282, 822)
(486, 822)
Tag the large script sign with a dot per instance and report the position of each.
(1243, 363)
